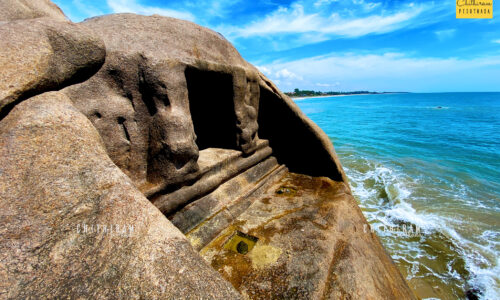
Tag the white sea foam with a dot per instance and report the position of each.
(367, 187)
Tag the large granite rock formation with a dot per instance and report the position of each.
(72, 225)
(165, 79)
(162, 168)
(42, 54)
(29, 9)
(140, 99)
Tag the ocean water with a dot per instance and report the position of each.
(425, 169)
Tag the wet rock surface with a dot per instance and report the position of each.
(297, 243)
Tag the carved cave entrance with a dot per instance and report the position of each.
(212, 108)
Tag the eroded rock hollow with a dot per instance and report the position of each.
(142, 157)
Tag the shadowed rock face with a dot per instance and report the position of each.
(294, 137)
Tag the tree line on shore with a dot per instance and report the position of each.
(306, 93)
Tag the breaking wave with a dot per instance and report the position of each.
(439, 255)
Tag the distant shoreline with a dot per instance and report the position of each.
(344, 95)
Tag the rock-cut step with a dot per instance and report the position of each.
(206, 217)
(217, 165)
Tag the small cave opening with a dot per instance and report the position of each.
(212, 108)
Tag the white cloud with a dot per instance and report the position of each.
(284, 73)
(212, 8)
(371, 6)
(393, 72)
(368, 5)
(336, 84)
(131, 6)
(264, 70)
(87, 9)
(445, 34)
(283, 76)
(324, 2)
(296, 20)
(496, 41)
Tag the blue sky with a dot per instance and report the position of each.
(342, 45)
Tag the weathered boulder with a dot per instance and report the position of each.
(165, 77)
(43, 54)
(29, 9)
(164, 82)
(72, 225)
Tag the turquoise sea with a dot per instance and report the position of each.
(429, 163)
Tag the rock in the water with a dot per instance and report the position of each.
(72, 225)
(29, 9)
(40, 55)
